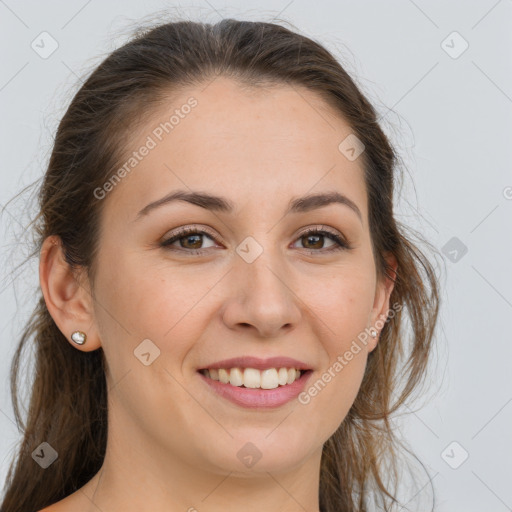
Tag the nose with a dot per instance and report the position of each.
(263, 299)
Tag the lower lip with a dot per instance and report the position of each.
(257, 397)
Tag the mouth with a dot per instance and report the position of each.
(252, 378)
(256, 383)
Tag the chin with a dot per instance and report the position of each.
(251, 454)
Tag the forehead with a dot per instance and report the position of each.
(250, 144)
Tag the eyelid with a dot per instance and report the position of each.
(319, 228)
(199, 229)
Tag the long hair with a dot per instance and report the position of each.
(68, 401)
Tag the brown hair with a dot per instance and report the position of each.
(68, 404)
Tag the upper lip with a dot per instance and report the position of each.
(258, 364)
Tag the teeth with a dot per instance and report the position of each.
(270, 378)
(223, 376)
(236, 377)
(282, 376)
(252, 378)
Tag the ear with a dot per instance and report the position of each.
(383, 289)
(67, 295)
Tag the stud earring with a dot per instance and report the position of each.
(373, 332)
(79, 337)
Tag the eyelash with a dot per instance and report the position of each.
(341, 243)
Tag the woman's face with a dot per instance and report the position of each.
(254, 286)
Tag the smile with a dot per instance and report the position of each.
(270, 378)
(253, 388)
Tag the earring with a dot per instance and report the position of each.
(373, 332)
(79, 337)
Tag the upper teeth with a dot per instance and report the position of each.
(253, 378)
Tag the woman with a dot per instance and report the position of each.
(222, 283)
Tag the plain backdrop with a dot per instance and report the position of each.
(440, 75)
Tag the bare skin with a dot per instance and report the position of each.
(172, 442)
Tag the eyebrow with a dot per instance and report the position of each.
(221, 204)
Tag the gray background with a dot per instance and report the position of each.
(451, 118)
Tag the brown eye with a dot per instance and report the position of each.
(190, 240)
(314, 241)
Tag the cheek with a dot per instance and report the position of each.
(156, 302)
(342, 302)
(331, 392)
(136, 303)
(342, 310)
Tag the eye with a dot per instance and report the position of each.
(191, 241)
(188, 238)
(314, 239)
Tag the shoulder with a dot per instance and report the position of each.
(56, 507)
(75, 502)
(71, 503)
